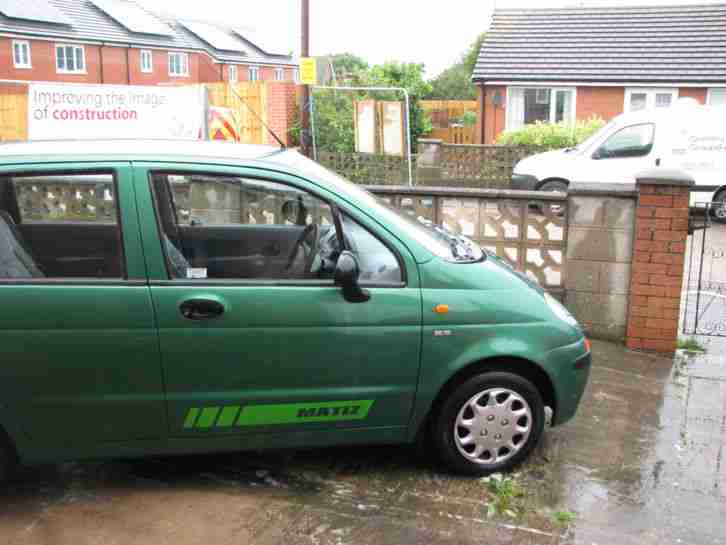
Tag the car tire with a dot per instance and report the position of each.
(554, 185)
(718, 208)
(8, 459)
(508, 424)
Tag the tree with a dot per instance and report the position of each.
(454, 83)
(348, 67)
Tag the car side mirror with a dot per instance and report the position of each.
(346, 276)
(294, 211)
(597, 154)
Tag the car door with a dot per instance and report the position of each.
(79, 345)
(624, 154)
(251, 339)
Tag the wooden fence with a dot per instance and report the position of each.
(13, 111)
(454, 135)
(243, 99)
(443, 112)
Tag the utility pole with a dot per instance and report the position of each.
(305, 95)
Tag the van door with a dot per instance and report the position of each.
(624, 154)
(80, 353)
(255, 335)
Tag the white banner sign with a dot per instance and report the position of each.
(114, 111)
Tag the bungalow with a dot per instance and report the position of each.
(563, 65)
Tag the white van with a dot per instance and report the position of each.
(686, 137)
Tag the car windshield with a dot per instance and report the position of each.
(435, 238)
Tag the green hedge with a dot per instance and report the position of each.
(551, 135)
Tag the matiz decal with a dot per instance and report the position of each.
(266, 415)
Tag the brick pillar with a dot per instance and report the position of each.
(281, 108)
(661, 230)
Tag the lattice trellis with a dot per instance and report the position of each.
(83, 199)
(529, 233)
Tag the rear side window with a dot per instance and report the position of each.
(60, 226)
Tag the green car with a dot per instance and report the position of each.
(175, 297)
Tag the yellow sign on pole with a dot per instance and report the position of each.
(308, 71)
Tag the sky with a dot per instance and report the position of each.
(433, 33)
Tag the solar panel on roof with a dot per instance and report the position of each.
(215, 37)
(33, 10)
(132, 17)
(265, 43)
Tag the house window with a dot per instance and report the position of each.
(254, 73)
(70, 59)
(296, 75)
(547, 105)
(178, 64)
(233, 77)
(147, 63)
(646, 99)
(279, 74)
(21, 54)
(717, 97)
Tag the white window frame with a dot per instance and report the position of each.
(650, 94)
(76, 48)
(279, 74)
(146, 53)
(553, 103)
(296, 75)
(256, 71)
(232, 69)
(18, 62)
(183, 64)
(709, 95)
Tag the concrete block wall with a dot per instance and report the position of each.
(600, 238)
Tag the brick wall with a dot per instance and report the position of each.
(281, 108)
(605, 102)
(698, 93)
(661, 230)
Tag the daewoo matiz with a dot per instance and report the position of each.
(177, 297)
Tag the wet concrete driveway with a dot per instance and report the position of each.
(641, 464)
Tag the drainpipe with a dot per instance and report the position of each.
(100, 63)
(128, 64)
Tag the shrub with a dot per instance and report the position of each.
(552, 135)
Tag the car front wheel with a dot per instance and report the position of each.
(489, 423)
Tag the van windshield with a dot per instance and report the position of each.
(593, 138)
(436, 239)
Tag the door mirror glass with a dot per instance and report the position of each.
(294, 212)
(347, 272)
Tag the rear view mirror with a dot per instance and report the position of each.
(346, 276)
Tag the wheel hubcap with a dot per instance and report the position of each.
(720, 209)
(492, 426)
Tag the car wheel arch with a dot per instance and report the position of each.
(519, 366)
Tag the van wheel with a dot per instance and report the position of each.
(718, 207)
(490, 423)
(554, 185)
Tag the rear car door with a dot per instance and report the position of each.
(79, 348)
(255, 336)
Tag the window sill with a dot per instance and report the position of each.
(19, 67)
(72, 72)
(178, 75)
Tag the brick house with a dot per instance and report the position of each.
(119, 42)
(563, 65)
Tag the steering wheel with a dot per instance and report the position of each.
(311, 229)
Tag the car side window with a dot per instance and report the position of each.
(60, 226)
(633, 141)
(222, 227)
(377, 263)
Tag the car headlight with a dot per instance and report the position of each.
(560, 311)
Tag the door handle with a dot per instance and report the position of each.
(657, 162)
(201, 309)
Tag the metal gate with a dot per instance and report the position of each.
(703, 301)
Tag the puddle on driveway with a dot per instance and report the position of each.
(640, 464)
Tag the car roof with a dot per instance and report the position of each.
(130, 149)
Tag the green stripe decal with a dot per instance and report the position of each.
(191, 418)
(228, 416)
(332, 411)
(207, 418)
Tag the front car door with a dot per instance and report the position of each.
(255, 336)
(79, 344)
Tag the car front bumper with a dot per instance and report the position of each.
(569, 367)
(525, 182)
